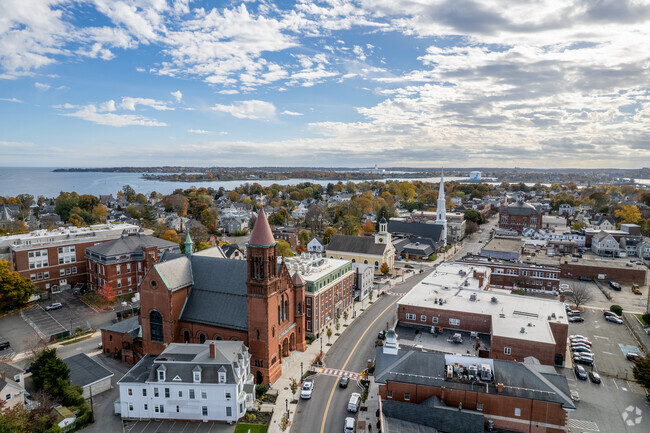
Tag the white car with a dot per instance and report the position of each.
(307, 389)
(348, 427)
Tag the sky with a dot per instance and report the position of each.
(327, 83)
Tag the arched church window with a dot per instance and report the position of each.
(260, 378)
(279, 315)
(286, 308)
(258, 334)
(201, 338)
(186, 336)
(156, 325)
(299, 308)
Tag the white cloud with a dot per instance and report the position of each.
(253, 109)
(107, 106)
(18, 144)
(42, 86)
(129, 103)
(228, 92)
(177, 95)
(199, 131)
(92, 114)
(11, 100)
(291, 113)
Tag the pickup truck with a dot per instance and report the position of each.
(614, 285)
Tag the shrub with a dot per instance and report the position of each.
(646, 318)
(616, 309)
(261, 390)
(250, 417)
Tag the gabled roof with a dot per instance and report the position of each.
(176, 273)
(130, 325)
(85, 371)
(423, 230)
(130, 244)
(356, 245)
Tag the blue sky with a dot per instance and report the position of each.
(325, 83)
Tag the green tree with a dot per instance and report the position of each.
(294, 387)
(577, 225)
(350, 225)
(616, 309)
(337, 325)
(203, 246)
(328, 234)
(345, 316)
(641, 371)
(50, 373)
(87, 202)
(304, 237)
(329, 334)
(474, 215)
(14, 289)
(279, 218)
(64, 203)
(284, 249)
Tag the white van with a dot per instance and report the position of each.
(353, 404)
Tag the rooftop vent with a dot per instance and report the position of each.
(529, 325)
(522, 330)
(494, 300)
(472, 297)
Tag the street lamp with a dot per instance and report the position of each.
(321, 343)
(301, 373)
(286, 401)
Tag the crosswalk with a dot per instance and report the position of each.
(342, 373)
(583, 425)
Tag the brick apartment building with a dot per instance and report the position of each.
(519, 216)
(118, 266)
(444, 392)
(329, 285)
(456, 297)
(288, 234)
(509, 274)
(56, 258)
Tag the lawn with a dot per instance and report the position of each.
(252, 428)
(643, 322)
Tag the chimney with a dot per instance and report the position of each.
(499, 387)
(213, 349)
(4, 376)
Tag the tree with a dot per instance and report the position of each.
(129, 193)
(580, 294)
(17, 227)
(350, 225)
(14, 289)
(199, 233)
(628, 214)
(616, 309)
(99, 213)
(64, 203)
(50, 373)
(328, 234)
(294, 387)
(316, 218)
(284, 249)
(203, 246)
(345, 316)
(470, 227)
(337, 325)
(368, 227)
(474, 215)
(304, 237)
(171, 236)
(384, 269)
(577, 226)
(329, 334)
(279, 218)
(641, 371)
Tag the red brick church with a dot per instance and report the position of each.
(196, 297)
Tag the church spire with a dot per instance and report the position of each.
(441, 211)
(189, 245)
(441, 191)
(262, 235)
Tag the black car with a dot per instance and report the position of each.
(407, 266)
(594, 377)
(381, 335)
(585, 360)
(343, 383)
(576, 319)
(585, 279)
(580, 371)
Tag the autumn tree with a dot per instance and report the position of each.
(100, 213)
(303, 237)
(284, 249)
(628, 214)
(328, 234)
(384, 269)
(129, 193)
(171, 236)
(14, 289)
(199, 233)
(176, 202)
(17, 227)
(317, 218)
(279, 218)
(350, 225)
(368, 227)
(641, 371)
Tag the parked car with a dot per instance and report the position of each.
(54, 306)
(612, 319)
(583, 355)
(573, 313)
(631, 356)
(408, 266)
(583, 341)
(610, 314)
(580, 372)
(594, 377)
(571, 337)
(585, 279)
(348, 427)
(353, 404)
(614, 285)
(575, 396)
(307, 389)
(580, 349)
(583, 360)
(576, 319)
(343, 383)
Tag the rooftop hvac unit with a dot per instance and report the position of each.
(472, 297)
(450, 372)
(435, 300)
(494, 300)
(522, 330)
(486, 372)
(473, 370)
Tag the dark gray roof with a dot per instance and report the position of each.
(85, 371)
(356, 245)
(423, 230)
(434, 413)
(130, 325)
(525, 380)
(521, 208)
(218, 296)
(140, 373)
(418, 249)
(130, 244)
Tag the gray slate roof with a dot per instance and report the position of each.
(85, 371)
(435, 414)
(423, 230)
(175, 271)
(522, 209)
(130, 244)
(356, 245)
(130, 325)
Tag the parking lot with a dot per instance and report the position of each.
(177, 427)
(49, 324)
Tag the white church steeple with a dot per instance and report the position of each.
(441, 211)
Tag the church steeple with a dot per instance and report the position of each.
(441, 211)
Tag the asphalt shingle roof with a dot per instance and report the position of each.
(423, 230)
(130, 325)
(84, 370)
(356, 245)
(130, 244)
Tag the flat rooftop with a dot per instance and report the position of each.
(69, 234)
(511, 245)
(451, 276)
(313, 266)
(590, 259)
(487, 261)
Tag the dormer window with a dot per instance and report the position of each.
(196, 374)
(222, 375)
(161, 373)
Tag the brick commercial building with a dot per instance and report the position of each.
(603, 269)
(454, 393)
(57, 257)
(198, 297)
(519, 216)
(118, 266)
(328, 289)
(455, 296)
(509, 274)
(287, 234)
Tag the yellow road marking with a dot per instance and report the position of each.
(329, 400)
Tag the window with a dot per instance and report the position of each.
(156, 325)
(178, 408)
(119, 283)
(228, 411)
(204, 410)
(309, 326)
(161, 376)
(46, 275)
(130, 391)
(33, 277)
(130, 407)
(119, 270)
(8, 396)
(479, 406)
(308, 301)
(146, 407)
(166, 392)
(61, 272)
(423, 318)
(129, 282)
(507, 351)
(434, 319)
(517, 411)
(308, 312)
(74, 269)
(40, 275)
(128, 267)
(204, 395)
(155, 392)
(222, 377)
(162, 408)
(68, 271)
(202, 338)
(139, 266)
(228, 395)
(192, 394)
(180, 394)
(389, 394)
(407, 396)
(410, 316)
(197, 376)
(144, 392)
(455, 322)
(156, 408)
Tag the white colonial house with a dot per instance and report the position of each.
(201, 382)
(315, 246)
(604, 244)
(363, 279)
